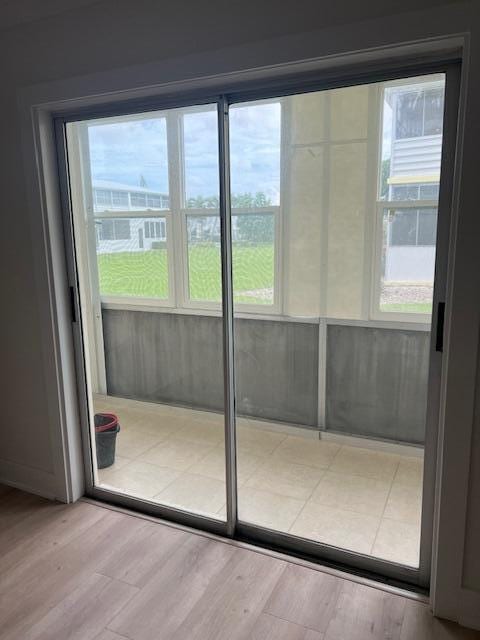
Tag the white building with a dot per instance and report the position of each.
(415, 154)
(127, 234)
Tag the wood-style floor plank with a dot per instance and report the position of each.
(145, 555)
(167, 599)
(46, 582)
(365, 613)
(87, 573)
(268, 627)
(43, 533)
(89, 607)
(233, 599)
(305, 597)
(106, 634)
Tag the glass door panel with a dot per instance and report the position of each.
(334, 207)
(145, 199)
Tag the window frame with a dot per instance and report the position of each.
(430, 89)
(177, 239)
(242, 307)
(418, 220)
(176, 228)
(376, 284)
(141, 301)
(375, 313)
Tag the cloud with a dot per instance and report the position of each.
(123, 151)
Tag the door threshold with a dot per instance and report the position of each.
(411, 592)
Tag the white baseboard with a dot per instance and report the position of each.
(370, 443)
(36, 481)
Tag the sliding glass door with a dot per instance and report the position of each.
(145, 206)
(334, 225)
(257, 280)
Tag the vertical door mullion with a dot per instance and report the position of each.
(175, 189)
(227, 314)
(440, 294)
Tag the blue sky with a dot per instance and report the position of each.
(124, 150)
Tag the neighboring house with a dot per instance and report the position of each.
(127, 234)
(114, 235)
(415, 154)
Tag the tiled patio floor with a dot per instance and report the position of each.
(363, 499)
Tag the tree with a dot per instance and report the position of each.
(202, 202)
(143, 182)
(255, 228)
(239, 201)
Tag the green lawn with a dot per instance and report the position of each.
(145, 273)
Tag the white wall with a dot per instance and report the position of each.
(409, 264)
(175, 41)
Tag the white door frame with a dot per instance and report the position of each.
(52, 278)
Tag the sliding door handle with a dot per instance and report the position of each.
(440, 326)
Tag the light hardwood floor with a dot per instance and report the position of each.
(85, 572)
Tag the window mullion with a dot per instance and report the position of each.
(175, 180)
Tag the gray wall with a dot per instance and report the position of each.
(377, 382)
(277, 370)
(376, 378)
(177, 358)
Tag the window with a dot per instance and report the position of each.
(155, 229)
(408, 196)
(419, 112)
(200, 159)
(120, 199)
(132, 258)
(253, 258)
(103, 197)
(415, 191)
(204, 262)
(299, 246)
(154, 202)
(128, 159)
(114, 230)
(409, 115)
(412, 227)
(138, 200)
(255, 150)
(433, 114)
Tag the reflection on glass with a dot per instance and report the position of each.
(255, 154)
(253, 257)
(155, 388)
(295, 382)
(204, 260)
(408, 260)
(412, 139)
(128, 164)
(200, 140)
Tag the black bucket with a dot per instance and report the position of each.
(106, 429)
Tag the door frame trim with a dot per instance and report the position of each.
(381, 569)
